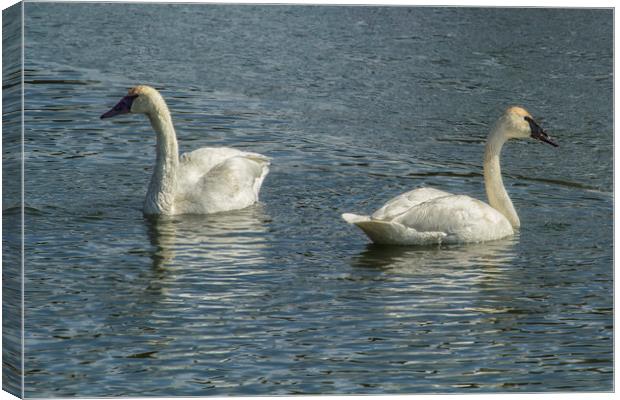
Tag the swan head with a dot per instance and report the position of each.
(141, 99)
(517, 123)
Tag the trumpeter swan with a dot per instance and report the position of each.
(427, 216)
(204, 181)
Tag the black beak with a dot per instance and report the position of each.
(539, 133)
(123, 107)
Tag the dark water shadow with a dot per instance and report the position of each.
(422, 259)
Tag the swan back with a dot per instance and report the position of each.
(406, 201)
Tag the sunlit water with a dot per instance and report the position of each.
(355, 105)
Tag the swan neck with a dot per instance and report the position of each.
(167, 147)
(160, 195)
(496, 192)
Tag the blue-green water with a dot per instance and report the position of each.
(355, 105)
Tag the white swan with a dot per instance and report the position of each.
(204, 181)
(429, 216)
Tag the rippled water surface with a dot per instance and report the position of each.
(355, 105)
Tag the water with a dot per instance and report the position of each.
(355, 105)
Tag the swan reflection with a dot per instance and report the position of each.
(447, 281)
(437, 259)
(202, 266)
(181, 241)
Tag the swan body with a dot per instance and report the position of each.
(204, 181)
(430, 216)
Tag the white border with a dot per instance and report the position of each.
(432, 3)
(23, 189)
(459, 3)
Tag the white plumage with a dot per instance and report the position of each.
(430, 216)
(204, 181)
(215, 179)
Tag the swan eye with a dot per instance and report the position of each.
(539, 133)
(125, 103)
(534, 127)
(122, 107)
(131, 98)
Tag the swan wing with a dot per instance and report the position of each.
(220, 179)
(391, 232)
(197, 163)
(406, 201)
(461, 218)
(441, 219)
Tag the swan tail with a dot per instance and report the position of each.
(258, 182)
(263, 162)
(354, 218)
(259, 158)
(392, 233)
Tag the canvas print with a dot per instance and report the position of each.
(234, 200)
